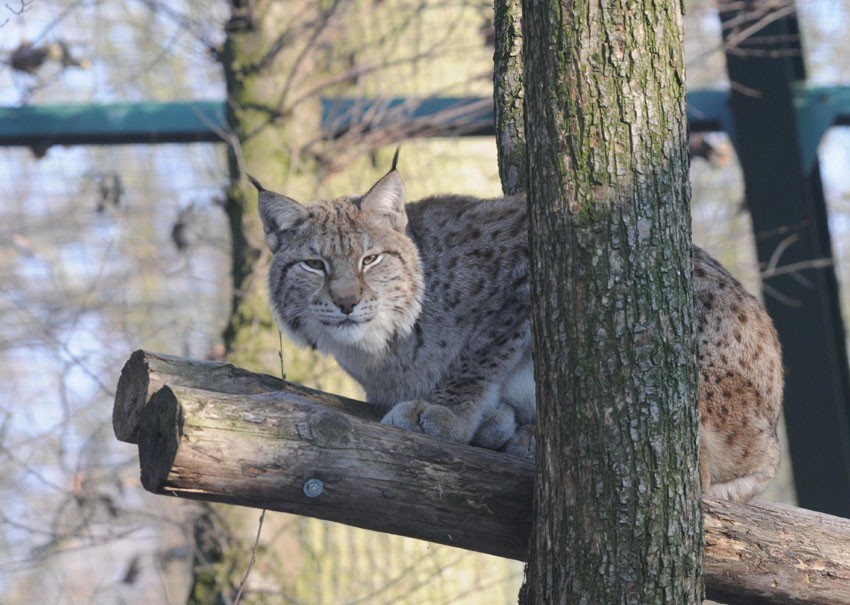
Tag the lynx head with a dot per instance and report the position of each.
(344, 276)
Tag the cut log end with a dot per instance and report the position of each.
(130, 397)
(160, 428)
(145, 372)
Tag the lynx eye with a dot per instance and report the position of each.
(370, 259)
(314, 265)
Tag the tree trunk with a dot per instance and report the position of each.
(508, 107)
(259, 69)
(278, 58)
(263, 44)
(266, 448)
(618, 514)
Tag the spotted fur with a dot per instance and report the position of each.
(427, 305)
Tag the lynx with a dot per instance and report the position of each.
(427, 306)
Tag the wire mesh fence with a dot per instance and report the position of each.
(103, 249)
(108, 249)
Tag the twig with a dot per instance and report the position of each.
(25, 6)
(763, 21)
(780, 250)
(785, 300)
(253, 559)
(815, 263)
(280, 354)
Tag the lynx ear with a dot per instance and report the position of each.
(384, 203)
(278, 213)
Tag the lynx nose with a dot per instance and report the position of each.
(346, 304)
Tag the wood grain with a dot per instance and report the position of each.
(262, 449)
(146, 372)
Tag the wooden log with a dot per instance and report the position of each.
(146, 372)
(764, 552)
(304, 458)
(295, 454)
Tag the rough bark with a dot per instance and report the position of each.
(765, 552)
(508, 96)
(262, 449)
(146, 372)
(617, 509)
(282, 452)
(266, 59)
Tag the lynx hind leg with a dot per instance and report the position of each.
(742, 489)
(757, 476)
(523, 443)
(739, 445)
(741, 384)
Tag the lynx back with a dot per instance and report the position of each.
(427, 305)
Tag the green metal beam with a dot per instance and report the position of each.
(189, 121)
(117, 123)
(708, 111)
(818, 109)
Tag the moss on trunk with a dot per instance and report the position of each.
(276, 61)
(508, 93)
(618, 509)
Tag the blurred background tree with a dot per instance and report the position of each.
(108, 249)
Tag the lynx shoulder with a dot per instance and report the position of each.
(427, 305)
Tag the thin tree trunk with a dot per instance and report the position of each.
(508, 96)
(276, 57)
(618, 514)
(256, 64)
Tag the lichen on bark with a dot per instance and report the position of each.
(618, 502)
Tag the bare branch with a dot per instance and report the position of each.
(253, 560)
(815, 263)
(24, 6)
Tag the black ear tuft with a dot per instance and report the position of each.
(255, 183)
(278, 213)
(395, 158)
(384, 202)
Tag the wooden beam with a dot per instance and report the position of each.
(280, 452)
(285, 451)
(146, 372)
(764, 552)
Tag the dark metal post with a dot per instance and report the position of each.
(786, 201)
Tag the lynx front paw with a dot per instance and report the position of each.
(431, 419)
